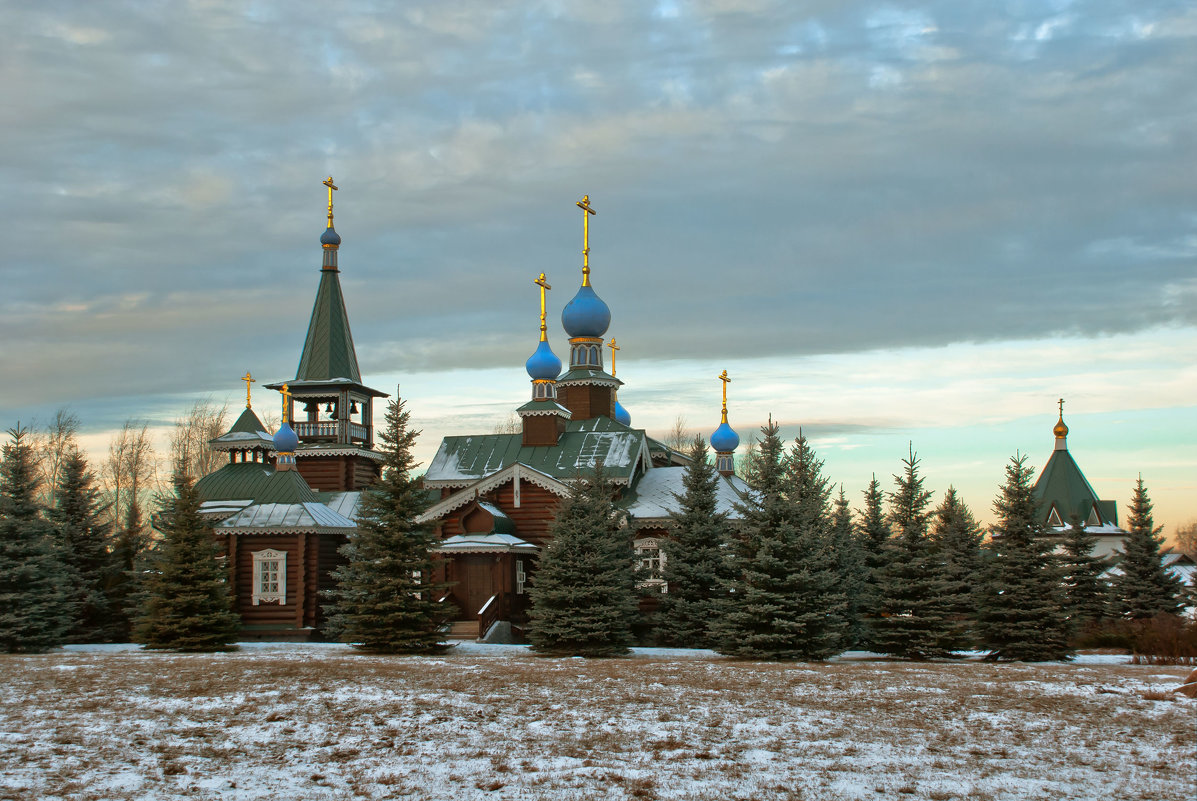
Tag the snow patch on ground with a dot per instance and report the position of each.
(322, 721)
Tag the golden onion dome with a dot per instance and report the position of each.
(1060, 430)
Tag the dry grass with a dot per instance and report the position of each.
(327, 724)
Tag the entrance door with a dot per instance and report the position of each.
(476, 582)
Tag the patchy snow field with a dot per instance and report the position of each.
(300, 722)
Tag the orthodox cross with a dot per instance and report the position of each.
(723, 377)
(248, 379)
(331, 187)
(1061, 408)
(543, 284)
(286, 392)
(584, 205)
(613, 348)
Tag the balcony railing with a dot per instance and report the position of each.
(330, 430)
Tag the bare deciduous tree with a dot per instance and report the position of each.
(1186, 538)
(129, 472)
(679, 437)
(189, 442)
(509, 426)
(53, 444)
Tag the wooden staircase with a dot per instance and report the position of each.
(463, 630)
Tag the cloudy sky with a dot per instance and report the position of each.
(891, 223)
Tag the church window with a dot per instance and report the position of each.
(520, 577)
(650, 565)
(1053, 519)
(270, 577)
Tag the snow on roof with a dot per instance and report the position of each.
(484, 543)
(656, 490)
(307, 515)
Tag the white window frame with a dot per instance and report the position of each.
(270, 594)
(655, 581)
(521, 578)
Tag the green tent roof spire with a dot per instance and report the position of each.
(328, 351)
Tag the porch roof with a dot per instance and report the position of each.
(485, 543)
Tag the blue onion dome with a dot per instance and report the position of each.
(543, 364)
(621, 414)
(586, 315)
(330, 237)
(724, 439)
(285, 439)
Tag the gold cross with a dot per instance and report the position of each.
(331, 187)
(248, 379)
(543, 284)
(613, 348)
(286, 391)
(723, 377)
(1061, 408)
(584, 205)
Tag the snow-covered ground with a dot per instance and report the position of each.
(299, 722)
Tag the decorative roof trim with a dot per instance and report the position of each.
(470, 492)
(325, 450)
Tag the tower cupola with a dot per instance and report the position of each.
(1060, 431)
(724, 439)
(543, 418)
(285, 439)
(586, 390)
(621, 414)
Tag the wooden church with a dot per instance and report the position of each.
(499, 493)
(286, 502)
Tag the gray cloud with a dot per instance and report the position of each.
(771, 179)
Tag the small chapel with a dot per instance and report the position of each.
(284, 504)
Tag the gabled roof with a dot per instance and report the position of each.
(654, 496)
(1064, 486)
(463, 460)
(469, 492)
(328, 351)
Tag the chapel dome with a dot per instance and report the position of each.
(724, 439)
(586, 315)
(622, 415)
(285, 439)
(330, 237)
(543, 364)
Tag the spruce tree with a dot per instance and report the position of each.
(186, 605)
(35, 613)
(385, 599)
(696, 567)
(853, 572)
(83, 536)
(123, 585)
(1021, 613)
(874, 533)
(784, 600)
(1086, 594)
(1144, 589)
(956, 541)
(915, 619)
(584, 597)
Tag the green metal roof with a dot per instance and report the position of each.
(463, 460)
(285, 486)
(247, 423)
(240, 481)
(586, 374)
(328, 350)
(1064, 485)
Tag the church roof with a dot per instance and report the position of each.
(465, 459)
(328, 351)
(247, 432)
(654, 495)
(1064, 487)
(307, 516)
(240, 481)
